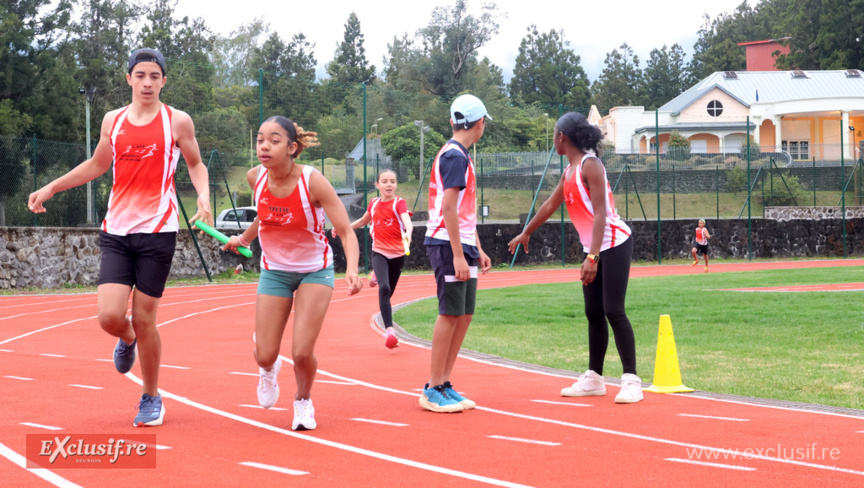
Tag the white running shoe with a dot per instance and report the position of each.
(589, 384)
(304, 415)
(631, 389)
(268, 388)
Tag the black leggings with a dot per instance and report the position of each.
(604, 299)
(387, 272)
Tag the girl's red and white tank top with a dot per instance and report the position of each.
(291, 229)
(700, 236)
(387, 226)
(143, 196)
(578, 200)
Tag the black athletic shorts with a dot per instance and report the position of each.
(139, 260)
(701, 249)
(454, 297)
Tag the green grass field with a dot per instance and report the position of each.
(804, 347)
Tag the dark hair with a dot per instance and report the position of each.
(581, 133)
(378, 178)
(465, 125)
(296, 133)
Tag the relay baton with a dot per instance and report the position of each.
(221, 237)
(407, 246)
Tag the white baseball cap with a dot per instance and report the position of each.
(466, 109)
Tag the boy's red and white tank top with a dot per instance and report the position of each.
(387, 226)
(291, 229)
(143, 196)
(700, 236)
(466, 203)
(578, 200)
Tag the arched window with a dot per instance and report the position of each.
(715, 108)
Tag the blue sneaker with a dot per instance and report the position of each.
(437, 400)
(150, 411)
(466, 403)
(124, 355)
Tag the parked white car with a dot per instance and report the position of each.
(228, 218)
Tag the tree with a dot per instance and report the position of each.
(403, 144)
(620, 82)
(232, 56)
(349, 66)
(289, 78)
(446, 52)
(824, 34)
(665, 76)
(678, 147)
(549, 73)
(717, 48)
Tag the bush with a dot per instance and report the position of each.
(755, 151)
(790, 193)
(678, 148)
(736, 179)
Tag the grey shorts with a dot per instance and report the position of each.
(285, 283)
(454, 297)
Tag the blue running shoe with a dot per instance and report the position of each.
(150, 411)
(124, 355)
(436, 400)
(466, 403)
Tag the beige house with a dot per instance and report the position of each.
(809, 115)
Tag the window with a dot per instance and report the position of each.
(799, 150)
(715, 108)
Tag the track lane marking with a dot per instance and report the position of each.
(279, 409)
(333, 444)
(40, 426)
(381, 422)
(88, 387)
(47, 475)
(18, 378)
(277, 469)
(711, 417)
(713, 465)
(563, 403)
(527, 441)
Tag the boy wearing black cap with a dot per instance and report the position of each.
(142, 142)
(454, 250)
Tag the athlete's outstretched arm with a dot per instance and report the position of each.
(89, 170)
(184, 132)
(324, 195)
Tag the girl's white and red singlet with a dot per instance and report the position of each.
(466, 203)
(700, 236)
(578, 201)
(143, 197)
(387, 226)
(290, 229)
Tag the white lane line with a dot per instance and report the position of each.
(45, 474)
(569, 404)
(527, 441)
(245, 374)
(173, 367)
(161, 448)
(262, 408)
(52, 355)
(274, 468)
(714, 465)
(630, 435)
(87, 387)
(381, 422)
(860, 432)
(18, 378)
(6, 350)
(733, 419)
(348, 383)
(333, 444)
(106, 360)
(40, 426)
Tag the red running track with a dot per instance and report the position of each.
(54, 372)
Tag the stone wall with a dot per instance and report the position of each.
(812, 213)
(52, 257)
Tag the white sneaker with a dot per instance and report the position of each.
(268, 388)
(304, 415)
(589, 384)
(631, 389)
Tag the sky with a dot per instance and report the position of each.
(592, 28)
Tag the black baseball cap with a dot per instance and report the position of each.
(147, 55)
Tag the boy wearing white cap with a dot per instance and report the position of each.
(454, 250)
